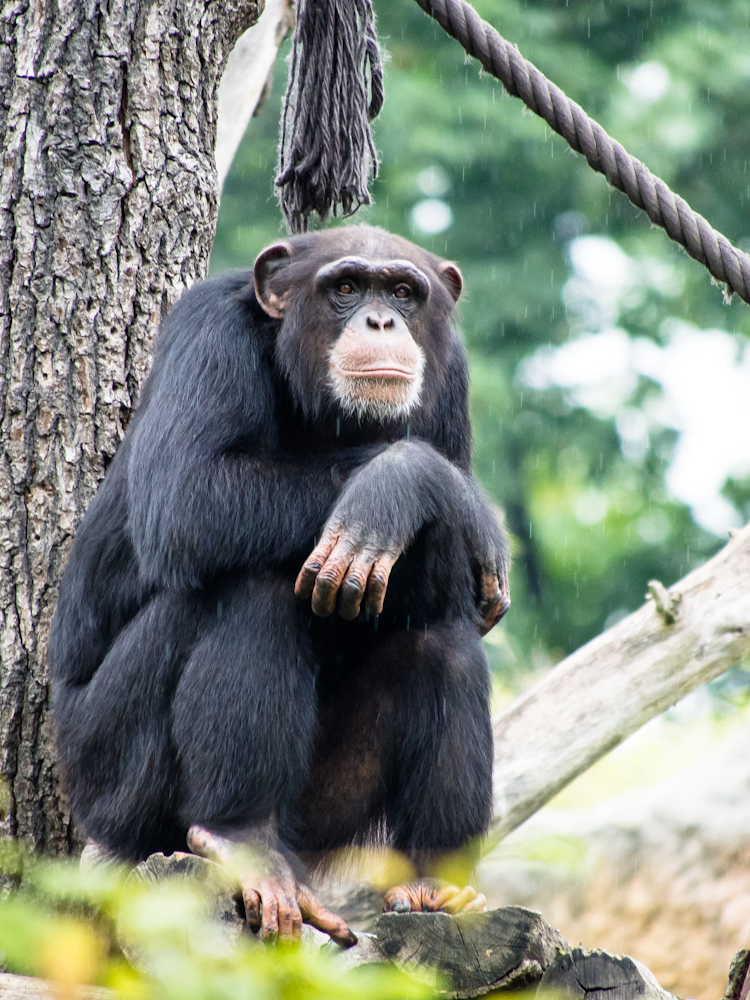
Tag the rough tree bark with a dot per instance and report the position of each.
(108, 204)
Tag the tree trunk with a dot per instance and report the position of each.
(108, 205)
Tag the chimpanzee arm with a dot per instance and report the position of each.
(210, 511)
(209, 488)
(379, 513)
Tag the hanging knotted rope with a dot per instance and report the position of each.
(326, 152)
(522, 79)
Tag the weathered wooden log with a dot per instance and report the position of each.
(588, 975)
(470, 955)
(610, 687)
(215, 883)
(473, 953)
(25, 988)
(738, 987)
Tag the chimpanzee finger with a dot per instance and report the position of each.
(378, 582)
(318, 916)
(437, 899)
(290, 919)
(270, 919)
(477, 905)
(397, 900)
(460, 900)
(493, 601)
(352, 589)
(251, 900)
(305, 582)
(330, 578)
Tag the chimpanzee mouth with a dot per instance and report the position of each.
(377, 388)
(394, 373)
(376, 393)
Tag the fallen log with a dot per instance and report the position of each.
(738, 987)
(607, 689)
(507, 950)
(25, 988)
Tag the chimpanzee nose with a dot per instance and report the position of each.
(377, 322)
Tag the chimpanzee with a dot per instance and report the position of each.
(301, 448)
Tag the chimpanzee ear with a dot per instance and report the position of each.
(268, 278)
(451, 278)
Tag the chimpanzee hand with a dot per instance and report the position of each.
(276, 904)
(485, 537)
(378, 514)
(346, 563)
(494, 589)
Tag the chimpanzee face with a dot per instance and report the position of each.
(365, 326)
(376, 367)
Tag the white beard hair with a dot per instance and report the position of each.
(365, 406)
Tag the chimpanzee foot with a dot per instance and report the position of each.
(276, 904)
(278, 908)
(429, 895)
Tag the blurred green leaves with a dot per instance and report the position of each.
(59, 925)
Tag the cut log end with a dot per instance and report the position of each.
(471, 954)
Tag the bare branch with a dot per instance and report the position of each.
(603, 692)
(245, 79)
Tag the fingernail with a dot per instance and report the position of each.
(400, 906)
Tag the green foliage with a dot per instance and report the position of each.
(61, 926)
(592, 521)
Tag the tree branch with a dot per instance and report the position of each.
(603, 692)
(246, 79)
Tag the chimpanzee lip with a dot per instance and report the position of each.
(390, 372)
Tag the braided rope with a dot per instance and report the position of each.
(522, 79)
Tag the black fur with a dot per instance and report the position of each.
(190, 684)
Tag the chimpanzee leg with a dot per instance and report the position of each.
(113, 732)
(245, 706)
(404, 735)
(443, 737)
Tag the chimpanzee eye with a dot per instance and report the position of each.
(346, 288)
(402, 291)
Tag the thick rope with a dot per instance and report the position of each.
(326, 152)
(522, 79)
